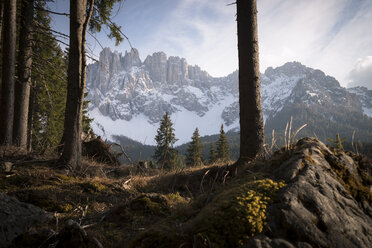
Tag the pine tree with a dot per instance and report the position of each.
(212, 154)
(223, 151)
(194, 151)
(251, 121)
(23, 84)
(86, 119)
(8, 72)
(83, 14)
(165, 155)
(48, 91)
(80, 14)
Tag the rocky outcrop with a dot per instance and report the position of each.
(197, 74)
(324, 203)
(157, 66)
(177, 69)
(231, 113)
(131, 59)
(17, 217)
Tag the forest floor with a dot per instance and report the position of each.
(128, 206)
(113, 203)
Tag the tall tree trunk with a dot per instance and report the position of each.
(1, 32)
(23, 84)
(79, 20)
(8, 69)
(1, 19)
(31, 117)
(251, 121)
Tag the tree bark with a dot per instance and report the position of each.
(79, 20)
(8, 69)
(31, 117)
(23, 84)
(1, 19)
(251, 120)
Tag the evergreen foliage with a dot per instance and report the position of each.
(48, 97)
(223, 153)
(194, 151)
(101, 16)
(86, 119)
(165, 155)
(212, 154)
(48, 93)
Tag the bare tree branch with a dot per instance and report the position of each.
(52, 12)
(126, 37)
(95, 38)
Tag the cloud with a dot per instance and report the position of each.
(328, 35)
(361, 74)
(203, 32)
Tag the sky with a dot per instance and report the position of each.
(331, 35)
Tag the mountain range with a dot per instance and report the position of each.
(128, 97)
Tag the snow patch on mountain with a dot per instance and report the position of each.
(141, 129)
(129, 97)
(365, 97)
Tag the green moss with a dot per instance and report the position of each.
(351, 183)
(236, 214)
(231, 218)
(65, 178)
(155, 204)
(93, 187)
(175, 199)
(14, 183)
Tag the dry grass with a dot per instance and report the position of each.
(99, 196)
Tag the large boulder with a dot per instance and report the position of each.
(324, 204)
(17, 217)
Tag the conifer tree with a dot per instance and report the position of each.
(86, 119)
(49, 83)
(8, 72)
(223, 150)
(23, 83)
(83, 14)
(251, 120)
(194, 151)
(165, 155)
(212, 154)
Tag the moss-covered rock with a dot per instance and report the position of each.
(93, 187)
(232, 217)
(236, 214)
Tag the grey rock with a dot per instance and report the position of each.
(17, 217)
(157, 65)
(230, 113)
(314, 207)
(131, 59)
(177, 70)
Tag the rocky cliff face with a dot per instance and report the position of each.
(124, 91)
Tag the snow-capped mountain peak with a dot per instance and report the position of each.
(129, 97)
